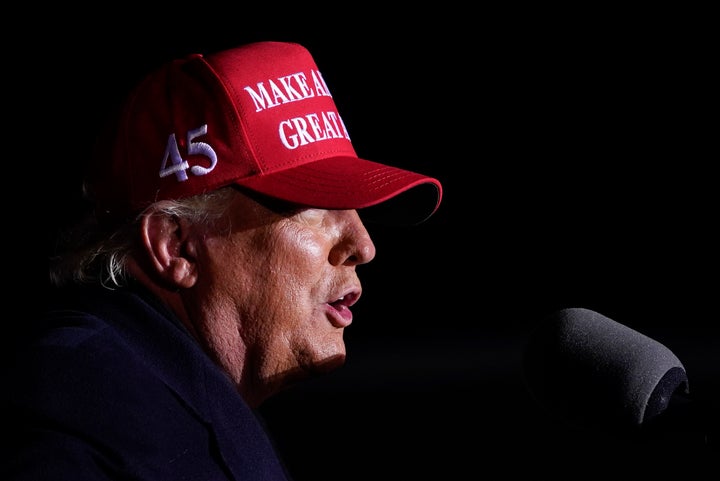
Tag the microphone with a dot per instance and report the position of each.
(592, 372)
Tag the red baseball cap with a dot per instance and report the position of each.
(259, 116)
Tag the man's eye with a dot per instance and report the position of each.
(310, 216)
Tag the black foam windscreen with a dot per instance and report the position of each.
(592, 371)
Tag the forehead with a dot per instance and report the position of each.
(250, 209)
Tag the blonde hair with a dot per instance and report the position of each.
(89, 252)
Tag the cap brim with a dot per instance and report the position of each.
(385, 193)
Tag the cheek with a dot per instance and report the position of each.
(298, 287)
(299, 270)
(287, 280)
(299, 254)
(305, 243)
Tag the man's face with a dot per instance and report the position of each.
(274, 292)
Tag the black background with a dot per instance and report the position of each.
(577, 149)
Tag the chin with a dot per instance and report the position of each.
(308, 369)
(329, 363)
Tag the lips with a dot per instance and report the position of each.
(339, 309)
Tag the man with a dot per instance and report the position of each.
(217, 268)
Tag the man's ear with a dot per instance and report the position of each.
(167, 242)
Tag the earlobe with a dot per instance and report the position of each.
(166, 240)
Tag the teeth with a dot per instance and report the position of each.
(343, 297)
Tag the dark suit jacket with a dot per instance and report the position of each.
(111, 386)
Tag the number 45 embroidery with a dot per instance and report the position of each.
(173, 163)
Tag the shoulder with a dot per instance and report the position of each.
(114, 378)
(98, 355)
